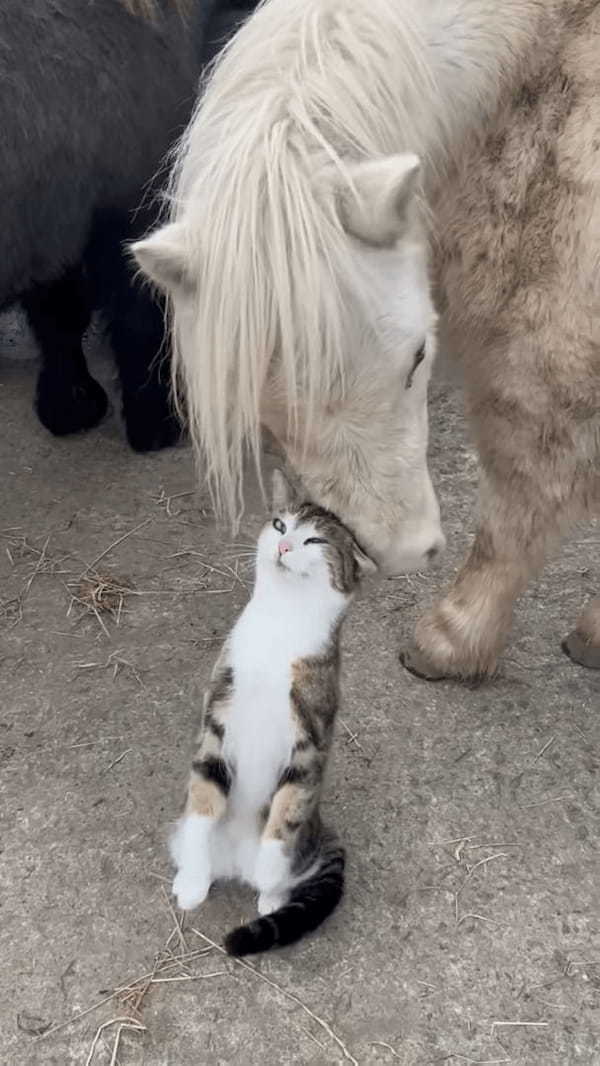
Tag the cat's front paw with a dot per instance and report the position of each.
(190, 889)
(269, 902)
(272, 868)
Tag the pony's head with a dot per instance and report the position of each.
(296, 270)
(360, 446)
(360, 443)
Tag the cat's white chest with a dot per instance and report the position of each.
(259, 734)
(260, 729)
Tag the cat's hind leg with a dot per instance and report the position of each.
(208, 789)
(291, 809)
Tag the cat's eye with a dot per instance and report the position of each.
(279, 525)
(315, 540)
(419, 357)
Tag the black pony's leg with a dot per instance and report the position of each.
(137, 334)
(68, 399)
(135, 324)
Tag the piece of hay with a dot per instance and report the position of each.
(103, 591)
(100, 594)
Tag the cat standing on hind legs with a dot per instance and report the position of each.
(252, 809)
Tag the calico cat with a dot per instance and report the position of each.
(252, 808)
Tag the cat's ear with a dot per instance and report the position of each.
(281, 491)
(365, 564)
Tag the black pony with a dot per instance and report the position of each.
(92, 97)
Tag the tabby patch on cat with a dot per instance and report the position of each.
(252, 809)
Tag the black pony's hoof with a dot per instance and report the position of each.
(69, 406)
(150, 421)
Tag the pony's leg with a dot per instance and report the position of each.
(68, 399)
(583, 644)
(463, 635)
(136, 328)
(535, 479)
(137, 335)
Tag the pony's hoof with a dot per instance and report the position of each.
(419, 665)
(579, 651)
(150, 422)
(448, 644)
(70, 407)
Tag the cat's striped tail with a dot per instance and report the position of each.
(310, 903)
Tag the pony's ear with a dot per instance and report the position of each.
(365, 564)
(161, 257)
(377, 206)
(282, 492)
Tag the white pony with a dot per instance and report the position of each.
(296, 255)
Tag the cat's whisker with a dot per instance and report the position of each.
(225, 570)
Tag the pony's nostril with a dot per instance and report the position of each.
(436, 549)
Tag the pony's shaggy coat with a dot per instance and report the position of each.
(519, 274)
(499, 101)
(93, 95)
(83, 127)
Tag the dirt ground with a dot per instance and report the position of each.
(470, 932)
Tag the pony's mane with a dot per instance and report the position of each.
(303, 87)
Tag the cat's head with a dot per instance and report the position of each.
(305, 542)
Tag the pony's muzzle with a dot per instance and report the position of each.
(420, 553)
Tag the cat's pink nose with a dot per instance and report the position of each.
(284, 546)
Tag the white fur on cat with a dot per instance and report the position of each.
(290, 616)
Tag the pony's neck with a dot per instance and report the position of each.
(478, 52)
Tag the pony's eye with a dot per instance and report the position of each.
(419, 357)
(315, 540)
(279, 525)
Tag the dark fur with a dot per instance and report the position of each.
(308, 906)
(215, 770)
(92, 98)
(341, 549)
